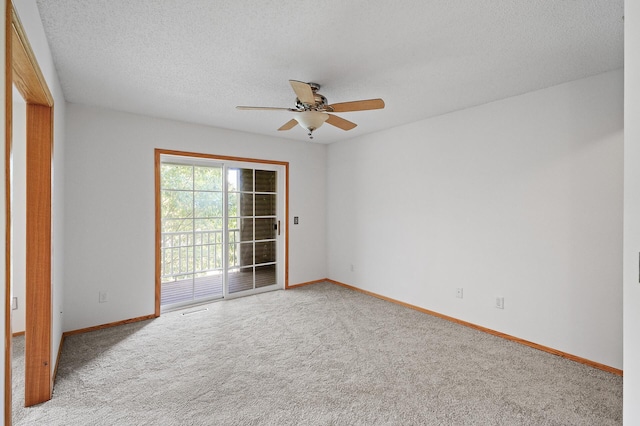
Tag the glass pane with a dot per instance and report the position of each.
(208, 257)
(246, 254)
(207, 178)
(197, 259)
(177, 225)
(265, 181)
(234, 255)
(172, 266)
(265, 229)
(212, 237)
(207, 285)
(265, 204)
(265, 275)
(214, 256)
(208, 204)
(240, 280)
(240, 180)
(232, 180)
(265, 252)
(233, 223)
(182, 259)
(177, 289)
(246, 204)
(233, 205)
(177, 204)
(176, 176)
(246, 230)
(175, 261)
(210, 224)
(246, 180)
(234, 236)
(183, 277)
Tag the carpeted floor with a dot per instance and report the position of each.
(317, 355)
(17, 373)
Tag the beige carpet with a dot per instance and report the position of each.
(317, 355)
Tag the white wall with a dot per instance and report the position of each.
(110, 206)
(631, 213)
(30, 18)
(19, 211)
(520, 198)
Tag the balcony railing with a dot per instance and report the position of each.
(192, 267)
(196, 252)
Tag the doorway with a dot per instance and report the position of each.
(31, 84)
(18, 245)
(220, 228)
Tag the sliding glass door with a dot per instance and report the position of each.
(253, 228)
(220, 229)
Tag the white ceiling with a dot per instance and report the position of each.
(195, 60)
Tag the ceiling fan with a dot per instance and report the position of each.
(312, 109)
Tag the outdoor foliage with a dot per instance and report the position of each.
(192, 214)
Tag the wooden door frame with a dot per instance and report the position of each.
(22, 69)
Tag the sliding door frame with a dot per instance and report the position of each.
(158, 214)
(280, 189)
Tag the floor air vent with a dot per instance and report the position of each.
(195, 312)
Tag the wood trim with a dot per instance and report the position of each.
(219, 157)
(27, 75)
(38, 252)
(547, 349)
(158, 229)
(158, 152)
(324, 280)
(17, 334)
(108, 325)
(7, 176)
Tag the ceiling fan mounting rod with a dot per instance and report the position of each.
(314, 87)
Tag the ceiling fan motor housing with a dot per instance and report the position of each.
(320, 100)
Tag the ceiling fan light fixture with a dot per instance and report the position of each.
(311, 120)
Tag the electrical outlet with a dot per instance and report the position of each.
(500, 302)
(102, 297)
(14, 303)
(459, 292)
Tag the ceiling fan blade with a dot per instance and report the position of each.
(303, 92)
(340, 122)
(288, 125)
(264, 108)
(363, 105)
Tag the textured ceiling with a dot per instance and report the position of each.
(195, 60)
